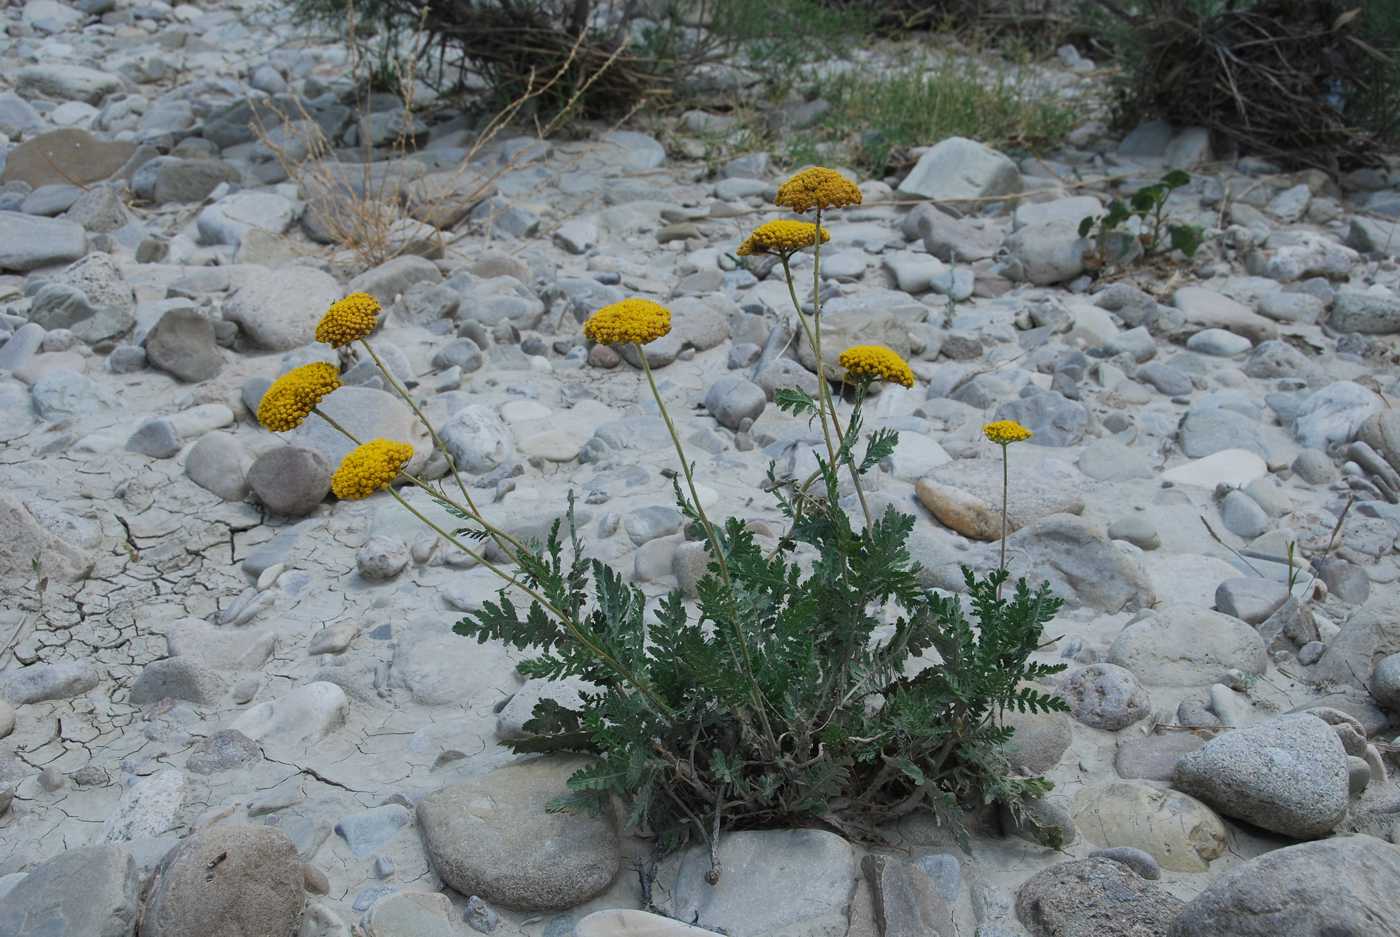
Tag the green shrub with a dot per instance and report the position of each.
(876, 116)
(607, 64)
(787, 698)
(1303, 82)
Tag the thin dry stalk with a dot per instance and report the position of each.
(370, 213)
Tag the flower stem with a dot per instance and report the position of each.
(496, 533)
(825, 405)
(685, 465)
(715, 546)
(565, 620)
(471, 512)
(1005, 478)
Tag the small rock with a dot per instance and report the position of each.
(290, 480)
(1054, 419)
(155, 437)
(733, 399)
(1105, 696)
(225, 750)
(1136, 859)
(381, 558)
(1219, 343)
(39, 682)
(182, 344)
(1243, 516)
(1385, 683)
(1093, 898)
(491, 837)
(776, 883)
(1250, 599)
(959, 168)
(218, 464)
(177, 678)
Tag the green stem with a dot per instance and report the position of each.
(1005, 479)
(685, 465)
(577, 633)
(716, 548)
(825, 405)
(496, 533)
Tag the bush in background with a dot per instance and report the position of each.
(613, 55)
(1302, 82)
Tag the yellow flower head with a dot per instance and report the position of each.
(1005, 432)
(348, 319)
(781, 237)
(876, 362)
(369, 468)
(632, 320)
(290, 398)
(817, 187)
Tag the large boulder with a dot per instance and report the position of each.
(966, 495)
(68, 156)
(367, 413)
(1343, 887)
(227, 881)
(28, 242)
(1180, 832)
(1081, 564)
(28, 541)
(64, 81)
(961, 168)
(1094, 898)
(775, 883)
(88, 892)
(278, 309)
(492, 837)
(1371, 634)
(1185, 645)
(1288, 775)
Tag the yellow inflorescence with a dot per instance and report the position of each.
(781, 237)
(290, 398)
(348, 319)
(877, 363)
(632, 320)
(1005, 432)
(369, 468)
(817, 187)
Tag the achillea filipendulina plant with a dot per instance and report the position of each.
(817, 188)
(781, 237)
(1004, 433)
(876, 362)
(349, 319)
(790, 693)
(294, 395)
(633, 321)
(370, 467)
